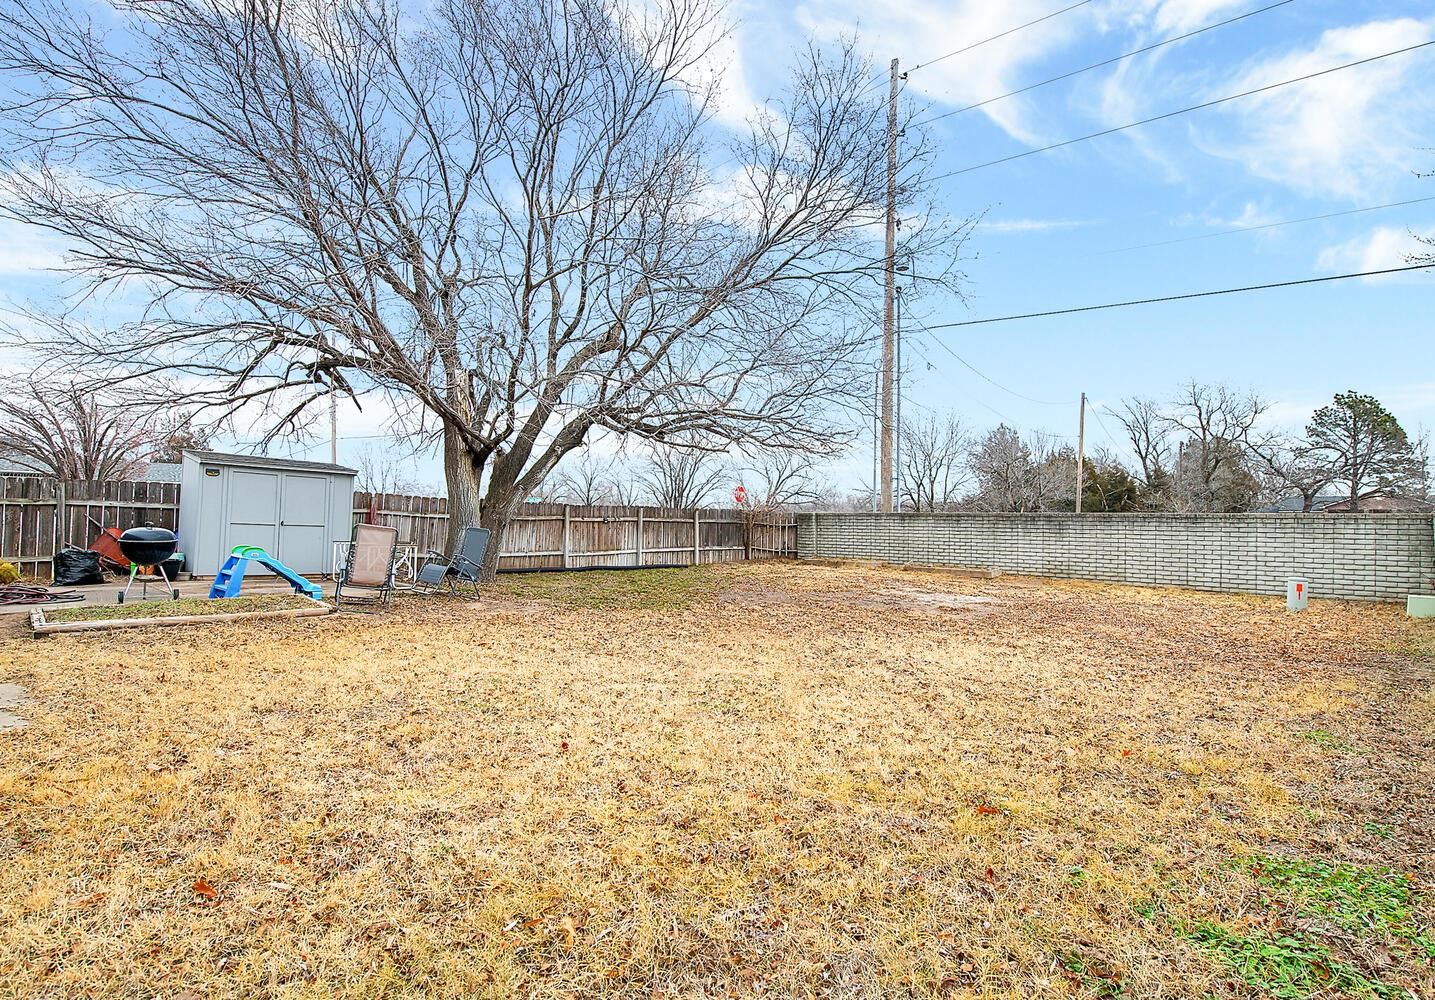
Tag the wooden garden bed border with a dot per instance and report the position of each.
(44, 628)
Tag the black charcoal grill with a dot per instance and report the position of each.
(148, 546)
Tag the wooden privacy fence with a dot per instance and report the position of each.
(558, 536)
(40, 516)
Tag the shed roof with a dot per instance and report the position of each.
(265, 462)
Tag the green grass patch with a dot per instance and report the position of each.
(1382, 830)
(1304, 895)
(639, 589)
(177, 609)
(1361, 900)
(1325, 738)
(1288, 966)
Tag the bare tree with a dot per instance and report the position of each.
(1214, 424)
(681, 477)
(1150, 435)
(1289, 465)
(1017, 475)
(380, 471)
(177, 434)
(71, 433)
(771, 482)
(1001, 464)
(589, 480)
(494, 212)
(934, 462)
(776, 480)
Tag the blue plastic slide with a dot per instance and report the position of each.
(231, 574)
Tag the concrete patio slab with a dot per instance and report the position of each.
(12, 697)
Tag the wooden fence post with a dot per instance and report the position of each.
(640, 536)
(62, 522)
(567, 535)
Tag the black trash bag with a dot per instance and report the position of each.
(77, 567)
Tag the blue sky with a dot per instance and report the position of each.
(1348, 140)
(1056, 222)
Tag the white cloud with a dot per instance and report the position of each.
(931, 28)
(1030, 225)
(1176, 16)
(1350, 133)
(28, 251)
(734, 104)
(1376, 250)
(1251, 215)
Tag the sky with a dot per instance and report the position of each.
(1057, 225)
(1058, 228)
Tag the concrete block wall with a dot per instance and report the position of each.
(1353, 556)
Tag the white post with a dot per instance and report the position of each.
(567, 537)
(640, 536)
(697, 539)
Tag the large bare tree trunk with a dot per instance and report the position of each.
(461, 475)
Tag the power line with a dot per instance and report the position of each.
(1009, 31)
(1180, 111)
(1096, 412)
(987, 378)
(1178, 298)
(1271, 225)
(1104, 62)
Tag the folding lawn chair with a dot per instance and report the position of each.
(369, 566)
(441, 572)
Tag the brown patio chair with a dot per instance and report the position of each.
(369, 566)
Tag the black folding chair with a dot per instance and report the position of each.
(452, 574)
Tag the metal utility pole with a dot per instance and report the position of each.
(876, 436)
(897, 435)
(889, 294)
(1080, 452)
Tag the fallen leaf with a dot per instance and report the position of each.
(986, 810)
(204, 889)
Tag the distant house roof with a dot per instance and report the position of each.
(163, 472)
(1381, 502)
(1295, 505)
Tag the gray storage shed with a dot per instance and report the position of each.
(294, 510)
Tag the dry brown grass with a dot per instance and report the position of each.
(787, 781)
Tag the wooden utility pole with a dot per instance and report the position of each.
(889, 294)
(333, 429)
(1080, 452)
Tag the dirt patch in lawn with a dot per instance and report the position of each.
(894, 597)
(630, 785)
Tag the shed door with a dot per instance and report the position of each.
(253, 511)
(303, 522)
